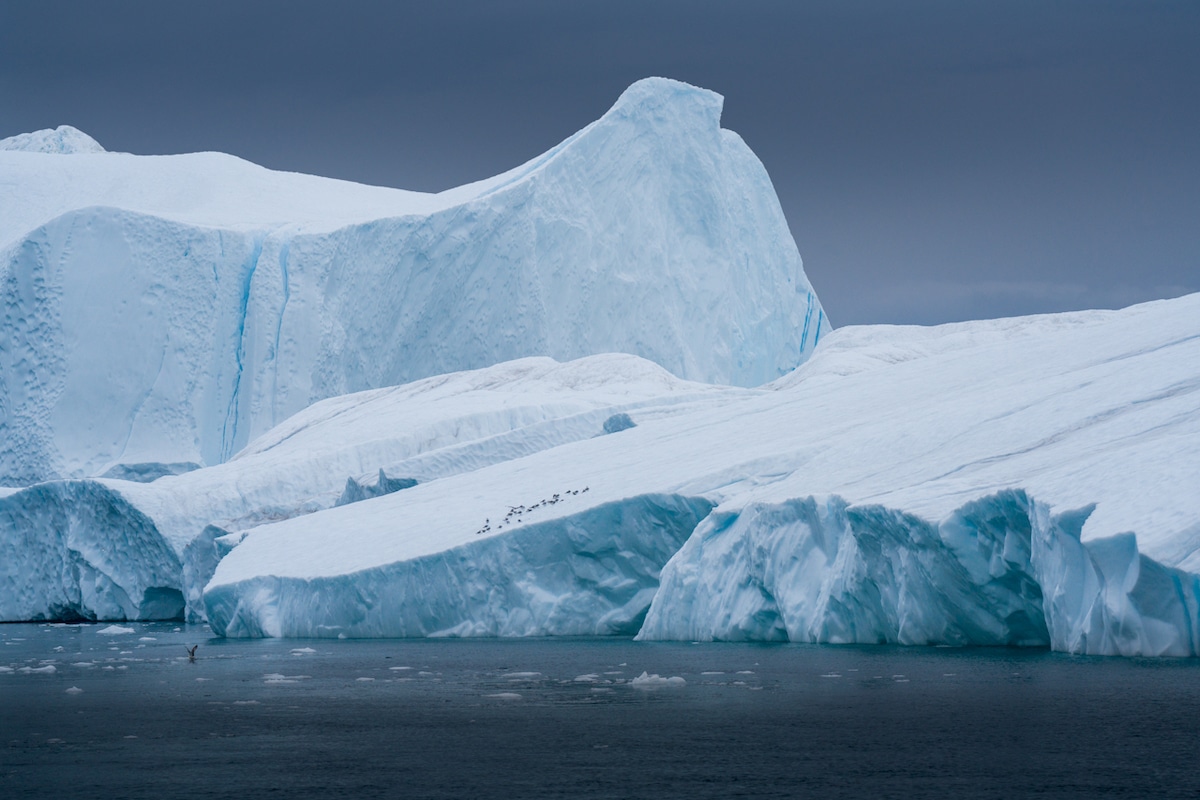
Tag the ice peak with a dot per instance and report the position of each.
(63, 140)
(659, 98)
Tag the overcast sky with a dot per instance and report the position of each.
(937, 161)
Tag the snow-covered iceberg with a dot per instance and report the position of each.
(1021, 481)
(168, 310)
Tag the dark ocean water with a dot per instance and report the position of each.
(560, 718)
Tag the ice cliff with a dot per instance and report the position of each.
(167, 310)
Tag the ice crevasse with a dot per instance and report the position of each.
(160, 312)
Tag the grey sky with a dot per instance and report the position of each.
(936, 160)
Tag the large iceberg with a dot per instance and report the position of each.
(162, 312)
(1025, 481)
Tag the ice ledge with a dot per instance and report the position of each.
(63, 140)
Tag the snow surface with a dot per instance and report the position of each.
(167, 310)
(971, 483)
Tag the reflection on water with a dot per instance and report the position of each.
(94, 711)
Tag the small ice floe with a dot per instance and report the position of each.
(522, 675)
(505, 696)
(246, 703)
(397, 669)
(147, 639)
(591, 677)
(114, 630)
(645, 681)
(831, 675)
(59, 649)
(74, 690)
(302, 651)
(713, 672)
(4, 670)
(130, 736)
(745, 672)
(203, 680)
(425, 674)
(364, 680)
(176, 630)
(274, 678)
(49, 669)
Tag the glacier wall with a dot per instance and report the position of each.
(1000, 570)
(652, 231)
(591, 573)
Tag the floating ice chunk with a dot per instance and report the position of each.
(304, 651)
(74, 690)
(114, 630)
(505, 696)
(656, 681)
(49, 669)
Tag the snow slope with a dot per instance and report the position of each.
(1022, 481)
(167, 310)
(113, 549)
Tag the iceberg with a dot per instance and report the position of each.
(1021, 481)
(168, 310)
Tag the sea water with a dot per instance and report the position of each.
(128, 714)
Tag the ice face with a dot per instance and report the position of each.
(239, 296)
(1001, 570)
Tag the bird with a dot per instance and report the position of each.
(191, 651)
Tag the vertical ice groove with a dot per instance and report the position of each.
(229, 431)
(284, 247)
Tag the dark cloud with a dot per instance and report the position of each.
(937, 160)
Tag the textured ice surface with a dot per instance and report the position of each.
(63, 140)
(999, 570)
(240, 296)
(1021, 481)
